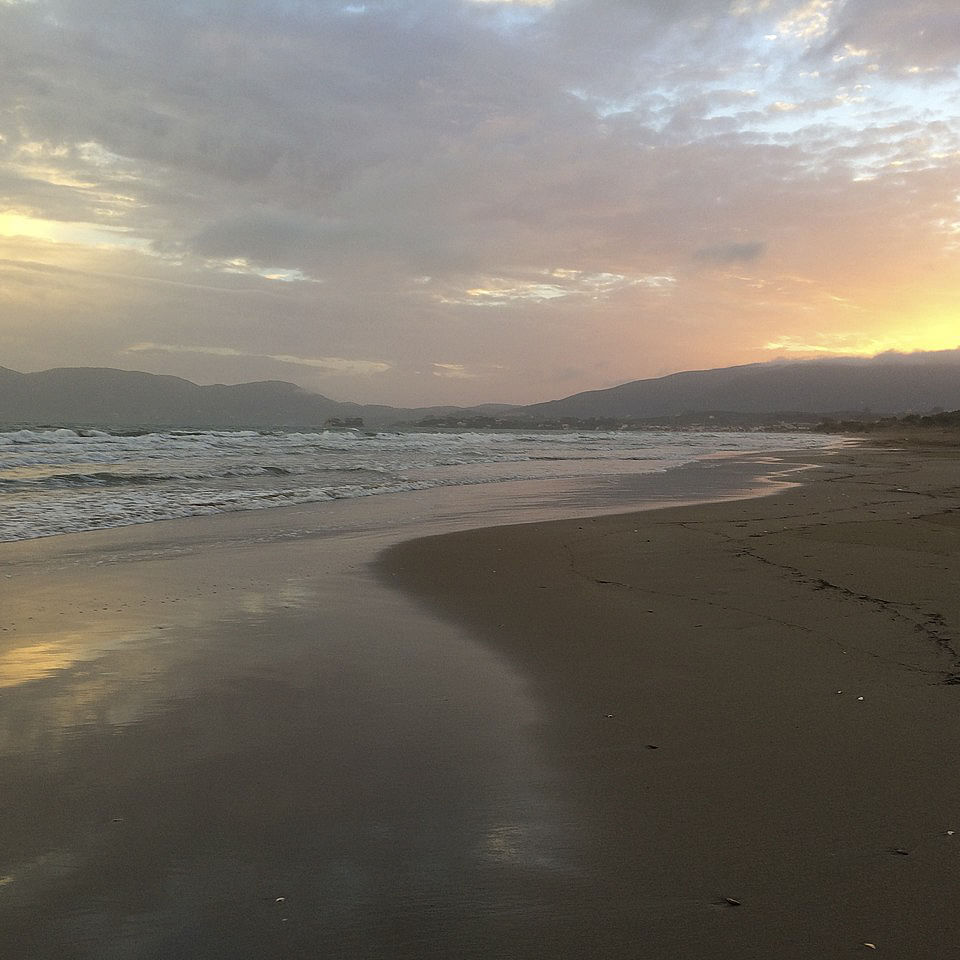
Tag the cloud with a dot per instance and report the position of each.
(264, 237)
(922, 34)
(548, 285)
(832, 344)
(326, 364)
(452, 371)
(520, 3)
(897, 347)
(808, 20)
(731, 252)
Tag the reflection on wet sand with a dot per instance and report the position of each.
(256, 753)
(22, 664)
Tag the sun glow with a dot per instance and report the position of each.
(16, 225)
(927, 337)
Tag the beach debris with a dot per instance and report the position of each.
(859, 698)
(950, 833)
(609, 716)
(901, 851)
(117, 820)
(870, 946)
(652, 746)
(280, 900)
(732, 901)
(839, 691)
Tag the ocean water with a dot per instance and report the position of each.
(58, 481)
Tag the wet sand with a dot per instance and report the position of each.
(226, 737)
(753, 708)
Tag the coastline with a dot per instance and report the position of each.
(689, 664)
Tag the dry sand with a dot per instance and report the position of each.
(756, 700)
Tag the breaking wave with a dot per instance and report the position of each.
(61, 480)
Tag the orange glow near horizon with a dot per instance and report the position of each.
(936, 337)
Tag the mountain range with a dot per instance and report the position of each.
(889, 384)
(125, 398)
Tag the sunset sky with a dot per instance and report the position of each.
(432, 201)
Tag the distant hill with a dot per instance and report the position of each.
(123, 398)
(888, 384)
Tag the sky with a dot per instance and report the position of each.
(460, 201)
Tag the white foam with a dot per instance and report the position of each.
(62, 480)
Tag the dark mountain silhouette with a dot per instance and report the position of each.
(123, 398)
(884, 385)
(890, 384)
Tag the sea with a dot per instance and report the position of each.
(63, 480)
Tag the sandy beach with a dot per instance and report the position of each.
(754, 706)
(721, 730)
